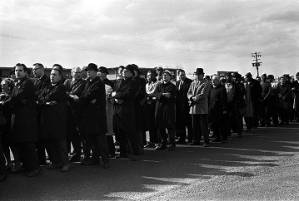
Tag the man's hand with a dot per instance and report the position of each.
(75, 97)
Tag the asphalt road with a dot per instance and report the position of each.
(262, 165)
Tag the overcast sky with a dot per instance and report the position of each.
(214, 34)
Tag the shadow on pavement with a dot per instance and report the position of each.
(159, 170)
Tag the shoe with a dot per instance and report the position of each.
(53, 166)
(181, 141)
(75, 158)
(216, 140)
(195, 143)
(16, 167)
(149, 145)
(171, 147)
(90, 161)
(33, 173)
(161, 147)
(205, 144)
(65, 168)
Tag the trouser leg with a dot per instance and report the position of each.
(110, 143)
(101, 146)
(2, 159)
(203, 122)
(196, 128)
(41, 151)
(28, 155)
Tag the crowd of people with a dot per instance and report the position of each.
(53, 121)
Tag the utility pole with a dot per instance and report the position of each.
(256, 61)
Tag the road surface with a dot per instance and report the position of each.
(262, 165)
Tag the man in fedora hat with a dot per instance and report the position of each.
(198, 98)
(93, 118)
(124, 115)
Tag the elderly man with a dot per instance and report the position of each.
(41, 82)
(74, 86)
(54, 120)
(198, 99)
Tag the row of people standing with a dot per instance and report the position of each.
(86, 113)
(44, 115)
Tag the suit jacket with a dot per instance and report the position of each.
(182, 104)
(200, 91)
(40, 84)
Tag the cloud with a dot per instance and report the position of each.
(218, 35)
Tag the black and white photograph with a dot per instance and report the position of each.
(149, 100)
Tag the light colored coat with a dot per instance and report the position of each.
(199, 90)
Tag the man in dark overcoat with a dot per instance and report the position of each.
(253, 91)
(54, 120)
(41, 81)
(93, 118)
(182, 108)
(218, 109)
(165, 94)
(24, 120)
(124, 114)
(74, 86)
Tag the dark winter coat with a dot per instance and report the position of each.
(165, 107)
(40, 84)
(124, 104)
(93, 104)
(217, 103)
(24, 113)
(54, 112)
(182, 105)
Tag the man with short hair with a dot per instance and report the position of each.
(182, 108)
(74, 86)
(198, 99)
(24, 120)
(41, 82)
